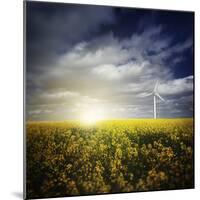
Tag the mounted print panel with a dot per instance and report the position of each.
(108, 99)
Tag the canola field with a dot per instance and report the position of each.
(69, 158)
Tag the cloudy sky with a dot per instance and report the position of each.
(84, 58)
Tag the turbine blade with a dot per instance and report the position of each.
(156, 86)
(159, 96)
(145, 94)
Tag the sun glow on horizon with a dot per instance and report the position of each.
(93, 115)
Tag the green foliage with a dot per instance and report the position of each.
(69, 158)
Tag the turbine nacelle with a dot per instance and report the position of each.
(155, 94)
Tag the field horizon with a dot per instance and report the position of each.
(110, 119)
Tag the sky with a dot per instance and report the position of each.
(86, 59)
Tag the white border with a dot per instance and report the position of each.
(11, 101)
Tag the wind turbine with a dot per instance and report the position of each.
(155, 95)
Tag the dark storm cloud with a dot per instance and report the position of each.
(77, 59)
(54, 28)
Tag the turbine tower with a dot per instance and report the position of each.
(155, 95)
